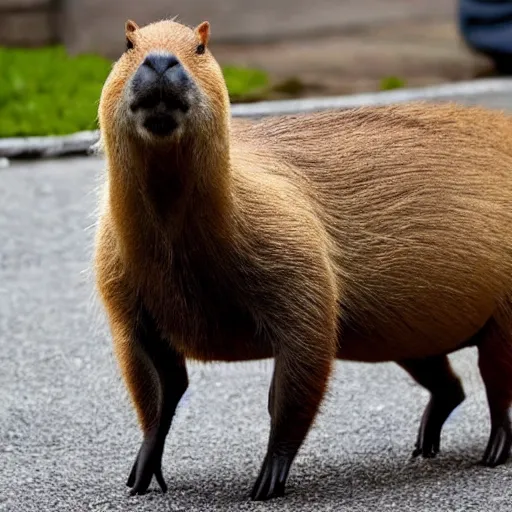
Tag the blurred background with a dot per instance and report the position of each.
(55, 54)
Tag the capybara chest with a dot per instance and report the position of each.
(204, 314)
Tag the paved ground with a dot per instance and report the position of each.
(68, 434)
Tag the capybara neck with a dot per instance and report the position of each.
(172, 192)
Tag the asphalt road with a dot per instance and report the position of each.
(68, 434)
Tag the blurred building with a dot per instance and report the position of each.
(97, 25)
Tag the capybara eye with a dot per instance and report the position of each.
(129, 44)
(200, 49)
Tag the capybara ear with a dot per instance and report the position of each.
(131, 27)
(203, 32)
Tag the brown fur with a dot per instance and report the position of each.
(375, 234)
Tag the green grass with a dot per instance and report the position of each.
(244, 82)
(391, 82)
(46, 92)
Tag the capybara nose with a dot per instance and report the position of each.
(160, 79)
(161, 62)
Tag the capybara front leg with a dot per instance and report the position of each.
(296, 393)
(169, 371)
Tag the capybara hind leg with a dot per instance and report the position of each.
(446, 393)
(495, 362)
(294, 397)
(168, 370)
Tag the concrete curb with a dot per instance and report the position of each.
(85, 142)
(52, 146)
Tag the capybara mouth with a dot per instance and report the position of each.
(159, 97)
(160, 125)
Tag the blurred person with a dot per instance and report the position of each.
(486, 27)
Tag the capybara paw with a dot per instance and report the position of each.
(498, 447)
(147, 464)
(272, 478)
(429, 435)
(428, 450)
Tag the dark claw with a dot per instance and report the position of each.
(147, 464)
(429, 435)
(160, 479)
(428, 450)
(131, 478)
(499, 445)
(272, 478)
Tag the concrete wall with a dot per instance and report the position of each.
(98, 25)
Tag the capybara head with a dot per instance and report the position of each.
(167, 84)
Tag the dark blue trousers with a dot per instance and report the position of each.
(486, 26)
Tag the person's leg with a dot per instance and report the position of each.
(486, 27)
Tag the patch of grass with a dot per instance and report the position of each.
(244, 82)
(391, 82)
(47, 92)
